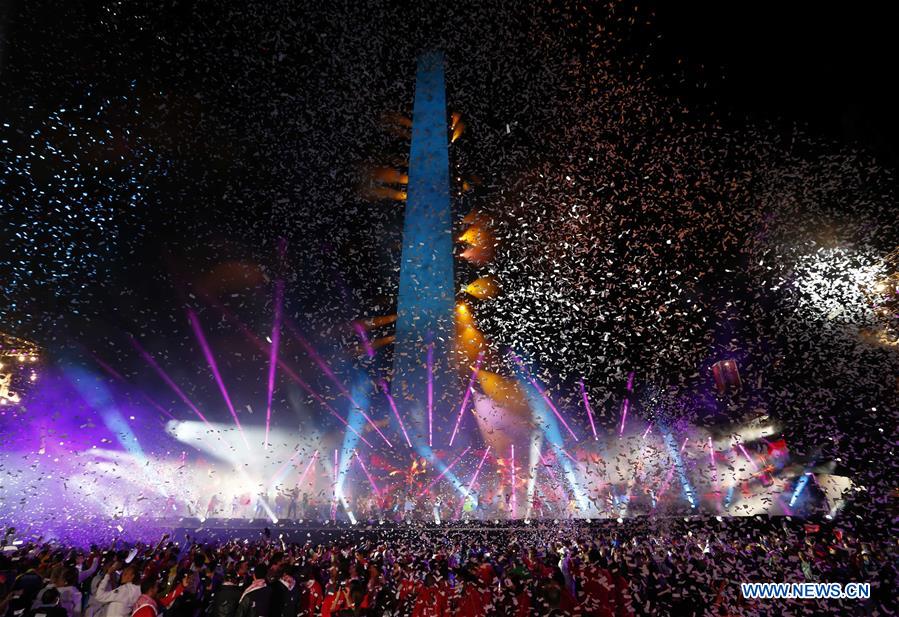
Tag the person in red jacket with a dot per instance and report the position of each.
(473, 598)
(311, 596)
(598, 591)
(432, 599)
(146, 603)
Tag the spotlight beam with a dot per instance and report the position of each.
(336, 485)
(543, 394)
(477, 471)
(289, 371)
(367, 475)
(210, 360)
(430, 367)
(319, 361)
(168, 380)
(474, 374)
(308, 467)
(755, 467)
(283, 468)
(273, 356)
(512, 469)
(115, 374)
(330, 374)
(386, 389)
(444, 472)
(800, 486)
(587, 407)
(317, 397)
(627, 402)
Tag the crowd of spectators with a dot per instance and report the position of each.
(416, 572)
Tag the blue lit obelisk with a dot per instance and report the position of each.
(422, 371)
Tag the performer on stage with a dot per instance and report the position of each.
(292, 506)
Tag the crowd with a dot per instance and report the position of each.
(581, 571)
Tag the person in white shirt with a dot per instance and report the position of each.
(69, 596)
(120, 601)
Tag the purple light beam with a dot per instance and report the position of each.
(308, 467)
(627, 402)
(168, 380)
(210, 360)
(114, 373)
(477, 471)
(543, 394)
(430, 394)
(363, 336)
(587, 406)
(474, 374)
(514, 497)
(386, 389)
(273, 357)
(714, 466)
(368, 475)
(289, 371)
(330, 374)
(445, 471)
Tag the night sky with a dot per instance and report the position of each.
(667, 183)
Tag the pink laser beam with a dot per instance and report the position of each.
(587, 407)
(445, 471)
(543, 394)
(363, 336)
(477, 471)
(273, 357)
(748, 458)
(714, 466)
(514, 496)
(624, 407)
(330, 374)
(326, 369)
(308, 467)
(119, 377)
(283, 467)
(168, 380)
(210, 360)
(474, 374)
(368, 475)
(336, 474)
(430, 394)
(386, 389)
(290, 372)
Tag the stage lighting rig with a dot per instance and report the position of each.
(883, 297)
(18, 367)
(727, 376)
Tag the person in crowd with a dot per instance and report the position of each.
(70, 597)
(28, 584)
(118, 599)
(256, 598)
(285, 598)
(227, 596)
(634, 568)
(146, 605)
(48, 605)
